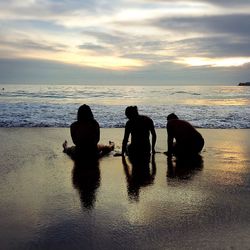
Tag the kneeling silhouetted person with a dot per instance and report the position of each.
(188, 141)
(140, 127)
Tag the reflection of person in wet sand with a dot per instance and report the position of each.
(188, 141)
(138, 175)
(183, 168)
(86, 179)
(140, 127)
(85, 134)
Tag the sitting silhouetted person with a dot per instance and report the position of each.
(188, 141)
(85, 134)
(140, 127)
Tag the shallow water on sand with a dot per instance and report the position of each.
(48, 204)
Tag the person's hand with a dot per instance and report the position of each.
(167, 153)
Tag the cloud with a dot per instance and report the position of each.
(211, 36)
(68, 14)
(52, 6)
(105, 37)
(42, 71)
(214, 46)
(26, 44)
(126, 35)
(226, 3)
(93, 47)
(220, 24)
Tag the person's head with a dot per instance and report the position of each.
(172, 116)
(131, 112)
(84, 113)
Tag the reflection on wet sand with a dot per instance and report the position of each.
(184, 168)
(187, 209)
(138, 174)
(86, 179)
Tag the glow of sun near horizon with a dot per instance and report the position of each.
(131, 36)
(215, 62)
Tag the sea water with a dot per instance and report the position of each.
(56, 105)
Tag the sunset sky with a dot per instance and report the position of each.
(125, 41)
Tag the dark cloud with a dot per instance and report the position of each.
(223, 46)
(27, 44)
(137, 47)
(45, 71)
(66, 6)
(53, 9)
(116, 41)
(41, 71)
(107, 38)
(221, 24)
(145, 57)
(94, 47)
(226, 3)
(90, 46)
(153, 44)
(128, 46)
(222, 36)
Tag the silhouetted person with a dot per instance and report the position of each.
(140, 127)
(138, 175)
(188, 141)
(86, 179)
(85, 134)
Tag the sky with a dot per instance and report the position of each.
(147, 42)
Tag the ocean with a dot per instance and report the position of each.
(56, 105)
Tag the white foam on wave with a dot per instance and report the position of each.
(56, 106)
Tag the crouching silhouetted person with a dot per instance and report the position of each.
(188, 141)
(140, 127)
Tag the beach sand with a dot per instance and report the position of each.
(46, 204)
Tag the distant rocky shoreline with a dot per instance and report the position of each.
(244, 84)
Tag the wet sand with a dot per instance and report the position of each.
(47, 204)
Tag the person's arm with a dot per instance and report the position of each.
(97, 138)
(125, 139)
(153, 138)
(73, 133)
(170, 140)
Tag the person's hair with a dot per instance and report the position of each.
(84, 113)
(131, 112)
(172, 116)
